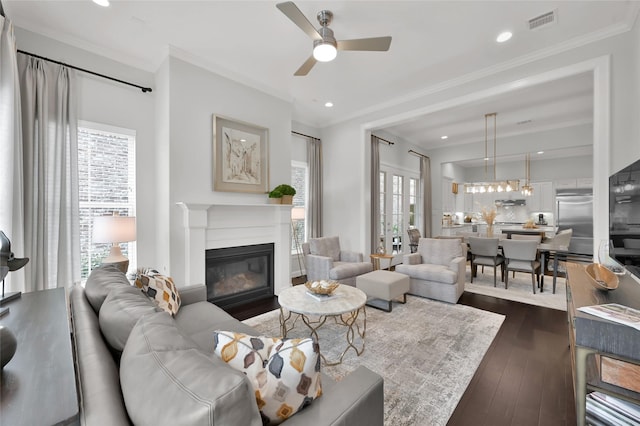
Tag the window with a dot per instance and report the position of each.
(107, 180)
(414, 185)
(397, 214)
(299, 178)
(399, 206)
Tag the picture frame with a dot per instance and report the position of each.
(240, 156)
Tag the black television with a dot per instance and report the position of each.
(624, 217)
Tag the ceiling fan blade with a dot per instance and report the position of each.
(380, 44)
(292, 12)
(306, 67)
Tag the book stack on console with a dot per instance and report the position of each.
(603, 409)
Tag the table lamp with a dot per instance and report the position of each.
(115, 229)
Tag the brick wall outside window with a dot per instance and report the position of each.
(107, 185)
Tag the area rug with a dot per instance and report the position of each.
(520, 289)
(427, 352)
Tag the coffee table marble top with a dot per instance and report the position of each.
(344, 299)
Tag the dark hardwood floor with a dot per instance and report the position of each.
(523, 379)
(525, 376)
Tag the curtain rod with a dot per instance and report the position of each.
(144, 89)
(306, 136)
(418, 154)
(383, 140)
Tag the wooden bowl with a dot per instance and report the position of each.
(322, 286)
(601, 277)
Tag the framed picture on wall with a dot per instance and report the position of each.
(240, 156)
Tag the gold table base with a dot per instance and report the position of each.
(348, 320)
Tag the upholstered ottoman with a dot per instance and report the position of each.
(383, 285)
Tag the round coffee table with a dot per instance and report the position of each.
(344, 306)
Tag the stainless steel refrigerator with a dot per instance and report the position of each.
(574, 210)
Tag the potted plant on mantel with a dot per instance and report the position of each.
(287, 192)
(275, 197)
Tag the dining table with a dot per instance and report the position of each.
(546, 250)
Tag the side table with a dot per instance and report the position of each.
(39, 383)
(375, 259)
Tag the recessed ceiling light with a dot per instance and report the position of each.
(103, 3)
(328, 104)
(444, 137)
(540, 152)
(504, 36)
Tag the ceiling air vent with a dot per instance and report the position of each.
(544, 20)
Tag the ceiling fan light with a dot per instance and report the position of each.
(324, 51)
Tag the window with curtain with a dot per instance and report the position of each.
(107, 181)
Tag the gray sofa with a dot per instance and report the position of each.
(135, 364)
(437, 270)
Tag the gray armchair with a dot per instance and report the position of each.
(437, 270)
(326, 261)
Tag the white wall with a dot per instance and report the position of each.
(108, 102)
(624, 77)
(196, 95)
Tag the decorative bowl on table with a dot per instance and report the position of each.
(322, 286)
(601, 277)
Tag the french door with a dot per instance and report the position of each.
(399, 201)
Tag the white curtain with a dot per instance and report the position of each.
(314, 159)
(425, 178)
(50, 148)
(11, 185)
(375, 193)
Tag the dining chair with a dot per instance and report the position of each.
(534, 237)
(414, 237)
(485, 252)
(520, 255)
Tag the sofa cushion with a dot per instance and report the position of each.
(325, 246)
(163, 291)
(199, 320)
(342, 270)
(167, 379)
(101, 281)
(285, 373)
(435, 273)
(439, 251)
(120, 311)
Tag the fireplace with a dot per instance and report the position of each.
(238, 275)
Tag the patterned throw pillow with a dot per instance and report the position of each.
(285, 374)
(162, 290)
(142, 277)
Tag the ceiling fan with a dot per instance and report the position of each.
(325, 46)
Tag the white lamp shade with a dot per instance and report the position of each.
(114, 229)
(297, 213)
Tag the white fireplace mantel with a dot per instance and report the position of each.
(211, 226)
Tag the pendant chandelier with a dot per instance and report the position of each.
(494, 185)
(527, 189)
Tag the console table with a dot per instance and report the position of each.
(39, 383)
(605, 355)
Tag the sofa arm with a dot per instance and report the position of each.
(351, 256)
(318, 267)
(459, 266)
(412, 259)
(358, 399)
(193, 293)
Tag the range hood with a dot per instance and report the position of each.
(509, 203)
